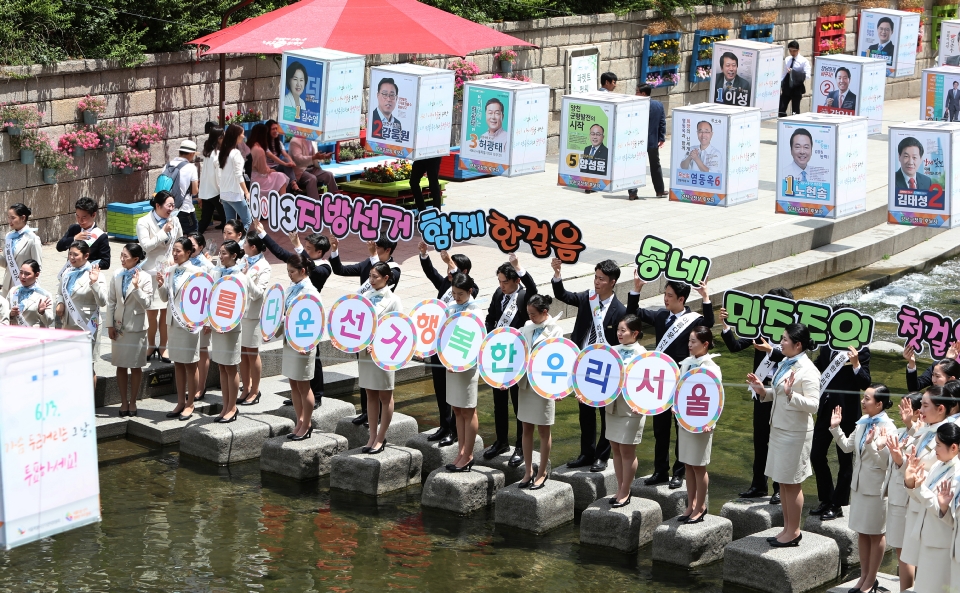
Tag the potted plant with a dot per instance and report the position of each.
(123, 159)
(17, 117)
(463, 71)
(77, 142)
(506, 57)
(110, 134)
(53, 162)
(91, 108)
(141, 136)
(29, 143)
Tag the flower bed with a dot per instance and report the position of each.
(660, 61)
(830, 35)
(702, 61)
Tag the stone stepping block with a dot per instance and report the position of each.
(301, 460)
(752, 563)
(890, 582)
(110, 426)
(587, 486)
(672, 502)
(326, 417)
(538, 511)
(435, 456)
(402, 428)
(461, 492)
(692, 545)
(510, 474)
(839, 531)
(626, 528)
(230, 442)
(394, 469)
(151, 422)
(752, 515)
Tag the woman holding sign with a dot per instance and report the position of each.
(156, 233)
(184, 344)
(20, 244)
(257, 270)
(695, 447)
(30, 305)
(533, 409)
(378, 382)
(896, 445)
(462, 386)
(80, 294)
(129, 296)
(624, 426)
(201, 259)
(225, 345)
(296, 367)
(796, 396)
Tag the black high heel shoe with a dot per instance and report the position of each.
(232, 418)
(463, 469)
(131, 412)
(624, 502)
(691, 520)
(255, 401)
(305, 436)
(378, 450)
(790, 544)
(535, 486)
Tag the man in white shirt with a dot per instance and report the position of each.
(791, 86)
(189, 180)
(608, 82)
(703, 158)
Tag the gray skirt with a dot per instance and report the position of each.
(296, 366)
(205, 339)
(184, 347)
(694, 448)
(225, 348)
(621, 428)
(462, 388)
(534, 409)
(129, 350)
(868, 513)
(250, 333)
(788, 457)
(373, 377)
(896, 524)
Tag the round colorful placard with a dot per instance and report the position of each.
(550, 367)
(598, 375)
(427, 316)
(271, 312)
(194, 298)
(458, 344)
(651, 379)
(228, 302)
(395, 341)
(503, 358)
(699, 400)
(353, 322)
(303, 326)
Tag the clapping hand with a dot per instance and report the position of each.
(94, 273)
(870, 434)
(836, 417)
(788, 384)
(43, 305)
(893, 446)
(906, 411)
(944, 492)
(756, 384)
(953, 351)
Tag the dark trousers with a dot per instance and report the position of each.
(501, 414)
(661, 449)
(430, 168)
(206, 217)
(761, 443)
(439, 373)
(838, 495)
(316, 384)
(590, 447)
(656, 172)
(188, 222)
(790, 95)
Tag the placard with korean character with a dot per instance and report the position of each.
(194, 298)
(598, 375)
(460, 339)
(918, 327)
(395, 341)
(531, 123)
(650, 381)
(550, 367)
(698, 402)
(352, 322)
(949, 50)
(503, 358)
(303, 326)
(271, 312)
(923, 178)
(392, 112)
(426, 316)
(228, 302)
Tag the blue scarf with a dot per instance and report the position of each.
(785, 366)
(25, 292)
(946, 467)
(17, 235)
(454, 308)
(160, 221)
(228, 271)
(126, 276)
(252, 261)
(536, 333)
(868, 423)
(197, 261)
(75, 275)
(176, 274)
(926, 439)
(295, 291)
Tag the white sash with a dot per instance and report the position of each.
(506, 318)
(835, 365)
(367, 286)
(682, 323)
(90, 325)
(12, 267)
(447, 297)
(597, 317)
(20, 318)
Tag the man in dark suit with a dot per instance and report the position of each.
(953, 102)
(447, 433)
(842, 98)
(380, 251)
(508, 308)
(595, 156)
(593, 306)
(885, 49)
(656, 136)
(730, 88)
(675, 296)
(385, 124)
(843, 390)
(86, 230)
(909, 177)
(761, 410)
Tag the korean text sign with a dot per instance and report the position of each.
(658, 256)
(927, 327)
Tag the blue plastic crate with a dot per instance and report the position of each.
(134, 208)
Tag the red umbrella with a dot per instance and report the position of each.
(357, 26)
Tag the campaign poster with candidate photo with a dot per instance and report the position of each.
(302, 84)
(699, 147)
(940, 94)
(584, 144)
(890, 35)
(836, 87)
(948, 53)
(733, 71)
(392, 108)
(806, 162)
(486, 125)
(919, 171)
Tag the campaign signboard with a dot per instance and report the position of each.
(321, 94)
(923, 176)
(890, 35)
(716, 151)
(940, 94)
(821, 165)
(504, 127)
(410, 111)
(850, 85)
(949, 51)
(747, 74)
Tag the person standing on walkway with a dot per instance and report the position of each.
(128, 296)
(897, 444)
(86, 230)
(157, 233)
(656, 136)
(209, 190)
(796, 69)
(431, 168)
(234, 193)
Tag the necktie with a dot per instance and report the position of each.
(670, 321)
(503, 304)
(912, 183)
(593, 329)
(593, 151)
(803, 175)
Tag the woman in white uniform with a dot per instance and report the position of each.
(81, 284)
(129, 296)
(233, 231)
(795, 394)
(156, 233)
(201, 259)
(624, 425)
(225, 346)
(20, 244)
(184, 344)
(30, 305)
(532, 408)
(462, 386)
(296, 367)
(868, 505)
(258, 271)
(378, 382)
(896, 445)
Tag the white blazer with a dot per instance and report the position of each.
(550, 330)
(166, 292)
(388, 304)
(28, 247)
(29, 309)
(155, 241)
(4, 311)
(128, 313)
(894, 489)
(929, 528)
(88, 298)
(795, 414)
(952, 519)
(870, 474)
(258, 282)
(927, 454)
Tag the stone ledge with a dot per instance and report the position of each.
(692, 545)
(393, 469)
(587, 486)
(461, 492)
(301, 460)
(751, 562)
(752, 515)
(538, 511)
(626, 528)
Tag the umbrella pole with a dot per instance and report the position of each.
(223, 61)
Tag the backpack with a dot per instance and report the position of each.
(169, 180)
